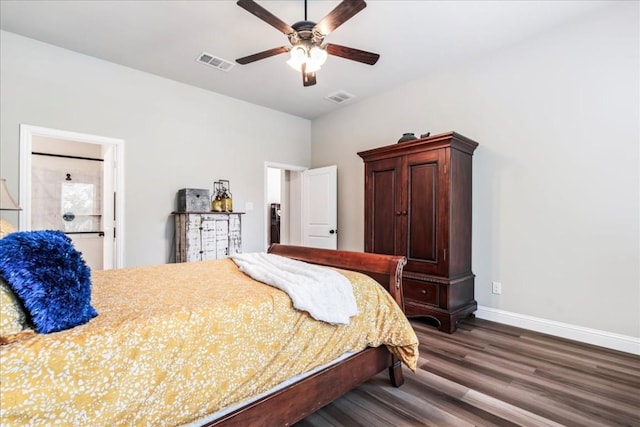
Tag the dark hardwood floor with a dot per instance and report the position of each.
(489, 374)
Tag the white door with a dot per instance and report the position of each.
(320, 207)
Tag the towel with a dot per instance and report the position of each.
(324, 293)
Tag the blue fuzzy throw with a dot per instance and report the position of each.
(49, 277)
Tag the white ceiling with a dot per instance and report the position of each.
(165, 37)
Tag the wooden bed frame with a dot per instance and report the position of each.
(293, 403)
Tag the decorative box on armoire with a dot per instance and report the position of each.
(207, 235)
(418, 204)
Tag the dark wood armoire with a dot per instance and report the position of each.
(418, 204)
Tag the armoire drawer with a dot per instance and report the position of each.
(422, 292)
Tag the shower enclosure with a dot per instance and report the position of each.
(66, 195)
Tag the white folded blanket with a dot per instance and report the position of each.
(324, 293)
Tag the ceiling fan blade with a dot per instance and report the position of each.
(352, 54)
(262, 13)
(262, 55)
(338, 16)
(308, 79)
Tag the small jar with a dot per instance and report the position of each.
(227, 204)
(409, 136)
(216, 204)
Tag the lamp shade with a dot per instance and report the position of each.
(318, 55)
(6, 201)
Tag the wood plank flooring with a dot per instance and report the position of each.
(489, 374)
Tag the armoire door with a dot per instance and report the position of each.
(383, 201)
(427, 210)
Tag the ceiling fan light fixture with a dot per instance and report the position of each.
(298, 56)
(317, 55)
(310, 66)
(313, 58)
(298, 53)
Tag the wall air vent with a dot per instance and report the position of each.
(215, 62)
(339, 97)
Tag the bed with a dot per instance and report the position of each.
(59, 377)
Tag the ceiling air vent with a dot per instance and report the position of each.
(339, 97)
(215, 62)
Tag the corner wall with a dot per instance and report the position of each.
(556, 176)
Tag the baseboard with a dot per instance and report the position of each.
(577, 333)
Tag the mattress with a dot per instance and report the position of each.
(177, 342)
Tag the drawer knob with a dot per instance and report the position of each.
(423, 291)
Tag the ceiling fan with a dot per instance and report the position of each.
(308, 50)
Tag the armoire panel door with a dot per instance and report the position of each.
(426, 210)
(382, 199)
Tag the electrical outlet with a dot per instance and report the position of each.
(496, 288)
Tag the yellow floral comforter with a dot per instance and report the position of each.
(176, 342)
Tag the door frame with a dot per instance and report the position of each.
(281, 166)
(113, 152)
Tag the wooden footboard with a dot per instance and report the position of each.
(304, 397)
(385, 269)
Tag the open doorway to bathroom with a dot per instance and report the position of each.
(73, 182)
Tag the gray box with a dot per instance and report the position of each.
(194, 200)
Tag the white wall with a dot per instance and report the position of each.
(176, 136)
(556, 175)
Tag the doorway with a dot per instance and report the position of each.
(283, 187)
(301, 206)
(72, 182)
